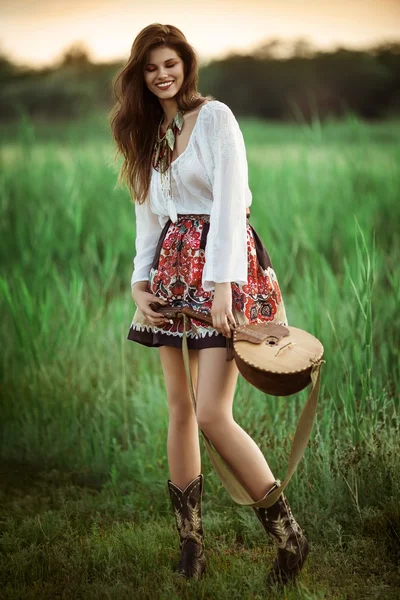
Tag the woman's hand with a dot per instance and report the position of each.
(142, 299)
(221, 310)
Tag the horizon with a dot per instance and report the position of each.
(37, 35)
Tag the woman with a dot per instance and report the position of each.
(185, 164)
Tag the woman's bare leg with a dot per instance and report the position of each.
(215, 392)
(183, 435)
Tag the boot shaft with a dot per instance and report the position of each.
(188, 517)
(186, 505)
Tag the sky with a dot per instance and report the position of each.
(34, 32)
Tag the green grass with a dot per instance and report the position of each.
(84, 506)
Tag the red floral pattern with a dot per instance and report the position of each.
(178, 278)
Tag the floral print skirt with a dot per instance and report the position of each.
(176, 276)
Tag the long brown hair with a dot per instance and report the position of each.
(137, 112)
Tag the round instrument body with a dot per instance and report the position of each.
(279, 367)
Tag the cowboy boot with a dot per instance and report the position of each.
(293, 547)
(187, 508)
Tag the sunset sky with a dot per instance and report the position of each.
(36, 32)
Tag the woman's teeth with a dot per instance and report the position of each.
(165, 86)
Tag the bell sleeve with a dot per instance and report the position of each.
(148, 231)
(226, 247)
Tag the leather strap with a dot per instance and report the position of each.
(299, 444)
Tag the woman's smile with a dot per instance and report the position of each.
(165, 85)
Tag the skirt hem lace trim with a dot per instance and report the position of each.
(151, 329)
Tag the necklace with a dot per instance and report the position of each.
(162, 154)
(165, 144)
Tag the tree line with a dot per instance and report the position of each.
(304, 84)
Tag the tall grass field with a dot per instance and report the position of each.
(84, 507)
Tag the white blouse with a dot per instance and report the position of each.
(209, 177)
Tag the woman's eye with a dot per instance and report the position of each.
(168, 67)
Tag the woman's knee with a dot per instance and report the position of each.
(212, 420)
(181, 415)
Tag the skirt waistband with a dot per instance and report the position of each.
(205, 217)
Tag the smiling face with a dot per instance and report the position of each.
(164, 65)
